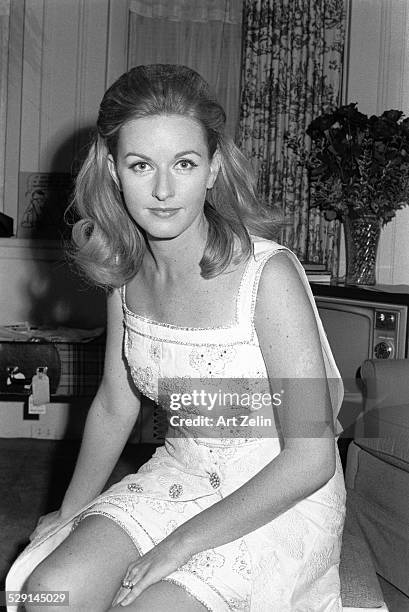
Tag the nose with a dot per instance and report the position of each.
(163, 187)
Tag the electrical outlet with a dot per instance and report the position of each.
(42, 431)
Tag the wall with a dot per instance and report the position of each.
(63, 54)
(57, 76)
(377, 77)
(39, 286)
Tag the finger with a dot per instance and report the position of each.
(123, 591)
(120, 595)
(126, 596)
(137, 576)
(139, 586)
(129, 598)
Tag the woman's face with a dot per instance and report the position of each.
(164, 170)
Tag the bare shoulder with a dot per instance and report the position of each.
(285, 320)
(281, 284)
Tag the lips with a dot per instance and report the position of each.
(164, 212)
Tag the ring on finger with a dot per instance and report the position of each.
(127, 584)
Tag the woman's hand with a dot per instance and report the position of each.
(160, 561)
(46, 523)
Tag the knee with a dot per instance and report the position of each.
(48, 579)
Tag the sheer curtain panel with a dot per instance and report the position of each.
(202, 34)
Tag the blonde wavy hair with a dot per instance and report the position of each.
(106, 243)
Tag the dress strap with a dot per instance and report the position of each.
(122, 293)
(262, 250)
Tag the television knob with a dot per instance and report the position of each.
(383, 350)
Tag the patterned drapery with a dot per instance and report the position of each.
(291, 72)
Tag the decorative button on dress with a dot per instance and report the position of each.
(287, 565)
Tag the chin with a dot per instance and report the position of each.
(191, 224)
(162, 233)
(168, 230)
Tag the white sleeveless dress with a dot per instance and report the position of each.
(287, 565)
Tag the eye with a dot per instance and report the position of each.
(140, 166)
(185, 164)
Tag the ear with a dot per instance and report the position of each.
(112, 171)
(214, 169)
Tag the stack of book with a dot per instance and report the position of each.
(316, 272)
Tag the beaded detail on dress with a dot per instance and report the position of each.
(288, 564)
(223, 351)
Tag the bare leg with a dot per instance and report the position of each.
(89, 564)
(162, 597)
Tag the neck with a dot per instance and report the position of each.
(177, 256)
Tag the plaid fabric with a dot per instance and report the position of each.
(82, 366)
(74, 369)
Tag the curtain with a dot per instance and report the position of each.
(4, 42)
(291, 72)
(202, 34)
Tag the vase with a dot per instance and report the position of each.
(361, 247)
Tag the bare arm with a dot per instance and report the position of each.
(291, 348)
(110, 419)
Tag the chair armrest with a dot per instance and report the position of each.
(383, 427)
(386, 382)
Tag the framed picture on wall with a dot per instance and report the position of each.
(42, 200)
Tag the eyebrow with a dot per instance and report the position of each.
(181, 154)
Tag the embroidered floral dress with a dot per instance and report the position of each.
(287, 565)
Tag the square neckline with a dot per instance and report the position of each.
(229, 326)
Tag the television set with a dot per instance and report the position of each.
(368, 322)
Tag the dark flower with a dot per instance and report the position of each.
(392, 115)
(381, 128)
(358, 165)
(319, 125)
(351, 114)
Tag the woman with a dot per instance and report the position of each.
(222, 517)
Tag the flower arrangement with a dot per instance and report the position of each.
(359, 165)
